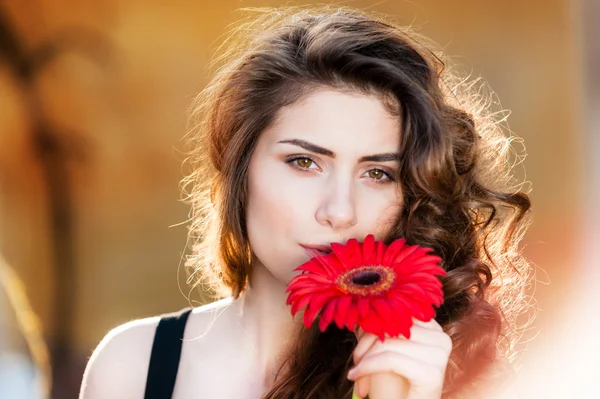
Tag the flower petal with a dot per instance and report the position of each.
(404, 308)
(312, 266)
(410, 262)
(418, 309)
(355, 250)
(428, 259)
(372, 324)
(344, 255)
(368, 249)
(331, 264)
(327, 315)
(314, 307)
(352, 317)
(380, 249)
(383, 309)
(311, 278)
(405, 329)
(393, 250)
(404, 254)
(364, 307)
(300, 303)
(341, 310)
(309, 291)
(415, 290)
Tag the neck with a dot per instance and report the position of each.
(266, 320)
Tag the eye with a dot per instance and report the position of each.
(302, 163)
(379, 175)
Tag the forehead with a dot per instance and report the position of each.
(342, 120)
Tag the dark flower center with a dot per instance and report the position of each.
(367, 277)
(367, 280)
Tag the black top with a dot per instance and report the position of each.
(166, 352)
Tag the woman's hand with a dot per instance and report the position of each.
(421, 360)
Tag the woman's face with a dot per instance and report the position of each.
(324, 172)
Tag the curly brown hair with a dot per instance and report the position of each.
(460, 196)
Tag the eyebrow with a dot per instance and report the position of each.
(385, 157)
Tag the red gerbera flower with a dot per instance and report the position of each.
(377, 287)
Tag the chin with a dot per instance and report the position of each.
(285, 276)
(284, 270)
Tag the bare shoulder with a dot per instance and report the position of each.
(118, 366)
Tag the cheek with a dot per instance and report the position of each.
(274, 200)
(382, 214)
(275, 215)
(388, 218)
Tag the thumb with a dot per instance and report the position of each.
(359, 332)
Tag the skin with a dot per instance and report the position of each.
(421, 360)
(298, 195)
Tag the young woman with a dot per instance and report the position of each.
(321, 126)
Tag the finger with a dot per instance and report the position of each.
(417, 372)
(432, 354)
(363, 386)
(360, 385)
(431, 324)
(363, 346)
(429, 336)
(419, 334)
(359, 332)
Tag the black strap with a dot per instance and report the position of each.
(166, 352)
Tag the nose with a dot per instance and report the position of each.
(337, 208)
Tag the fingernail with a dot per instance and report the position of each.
(351, 374)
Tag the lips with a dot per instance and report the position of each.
(316, 250)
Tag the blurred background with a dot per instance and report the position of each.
(93, 107)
